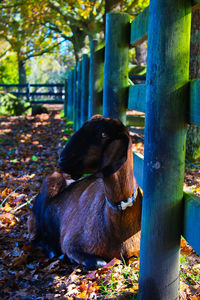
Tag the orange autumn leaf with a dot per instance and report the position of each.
(93, 287)
(5, 192)
(83, 295)
(194, 297)
(185, 248)
(35, 142)
(8, 218)
(83, 287)
(183, 243)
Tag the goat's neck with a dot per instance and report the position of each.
(120, 185)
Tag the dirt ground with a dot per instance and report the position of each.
(29, 150)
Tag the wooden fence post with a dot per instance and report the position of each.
(74, 97)
(65, 99)
(78, 100)
(84, 89)
(28, 92)
(115, 92)
(164, 157)
(95, 79)
(70, 96)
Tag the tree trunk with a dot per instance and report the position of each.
(22, 71)
(193, 132)
(113, 5)
(141, 54)
(79, 42)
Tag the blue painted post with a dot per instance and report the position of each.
(70, 96)
(165, 130)
(28, 92)
(74, 97)
(84, 89)
(115, 92)
(78, 100)
(95, 79)
(65, 99)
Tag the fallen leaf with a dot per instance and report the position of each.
(186, 249)
(5, 192)
(7, 207)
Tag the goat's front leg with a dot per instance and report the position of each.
(76, 254)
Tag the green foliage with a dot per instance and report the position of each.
(50, 68)
(108, 288)
(120, 276)
(33, 28)
(183, 260)
(8, 69)
(34, 158)
(62, 113)
(137, 70)
(22, 28)
(12, 105)
(68, 131)
(21, 25)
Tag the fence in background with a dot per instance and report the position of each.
(37, 93)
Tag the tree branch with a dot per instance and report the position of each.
(56, 29)
(5, 52)
(47, 50)
(65, 16)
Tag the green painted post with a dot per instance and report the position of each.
(78, 100)
(96, 79)
(164, 157)
(74, 97)
(84, 89)
(115, 92)
(70, 96)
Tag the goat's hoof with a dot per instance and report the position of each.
(94, 263)
(101, 263)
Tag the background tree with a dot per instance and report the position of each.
(51, 68)
(8, 63)
(81, 21)
(75, 21)
(20, 26)
(32, 28)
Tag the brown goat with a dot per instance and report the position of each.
(96, 218)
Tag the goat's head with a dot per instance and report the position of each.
(99, 146)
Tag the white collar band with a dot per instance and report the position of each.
(123, 204)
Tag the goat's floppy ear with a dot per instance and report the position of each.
(114, 155)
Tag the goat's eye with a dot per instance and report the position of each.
(103, 135)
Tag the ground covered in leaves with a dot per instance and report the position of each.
(29, 149)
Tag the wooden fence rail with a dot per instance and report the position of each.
(170, 101)
(32, 91)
